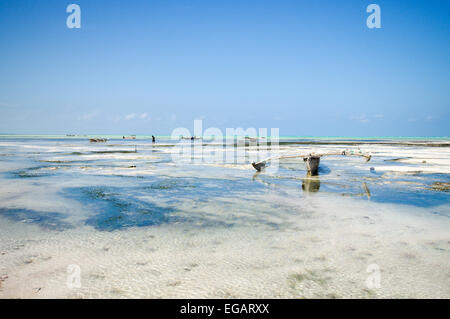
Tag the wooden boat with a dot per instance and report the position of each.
(131, 137)
(190, 138)
(250, 139)
(312, 160)
(312, 164)
(98, 140)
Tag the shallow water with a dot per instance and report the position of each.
(140, 224)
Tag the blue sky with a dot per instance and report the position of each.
(310, 68)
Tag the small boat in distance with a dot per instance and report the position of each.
(98, 140)
(131, 137)
(250, 139)
(190, 138)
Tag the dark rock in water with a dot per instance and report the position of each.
(440, 186)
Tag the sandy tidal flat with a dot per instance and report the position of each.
(141, 225)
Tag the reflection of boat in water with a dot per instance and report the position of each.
(131, 137)
(98, 140)
(311, 183)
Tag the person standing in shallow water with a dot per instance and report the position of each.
(153, 139)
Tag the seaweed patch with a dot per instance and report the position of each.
(115, 211)
(31, 172)
(45, 220)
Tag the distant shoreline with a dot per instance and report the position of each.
(120, 136)
(284, 140)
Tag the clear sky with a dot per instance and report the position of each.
(310, 68)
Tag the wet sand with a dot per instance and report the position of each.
(140, 225)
